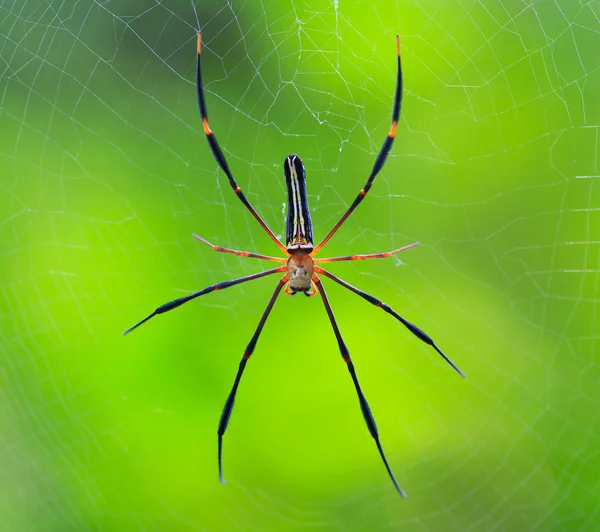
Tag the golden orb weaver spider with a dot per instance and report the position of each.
(300, 267)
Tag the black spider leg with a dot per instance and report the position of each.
(364, 406)
(421, 335)
(224, 421)
(219, 286)
(381, 158)
(220, 157)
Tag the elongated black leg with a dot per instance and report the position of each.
(219, 286)
(378, 303)
(381, 158)
(220, 157)
(224, 421)
(364, 406)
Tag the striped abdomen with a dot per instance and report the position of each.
(299, 235)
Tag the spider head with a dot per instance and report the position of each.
(300, 270)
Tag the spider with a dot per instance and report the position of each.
(300, 267)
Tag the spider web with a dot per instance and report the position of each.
(105, 174)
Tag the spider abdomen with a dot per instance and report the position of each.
(299, 233)
(300, 269)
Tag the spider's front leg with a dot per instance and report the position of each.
(364, 406)
(228, 408)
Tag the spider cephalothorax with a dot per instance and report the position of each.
(300, 267)
(300, 270)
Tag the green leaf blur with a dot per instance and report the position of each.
(105, 174)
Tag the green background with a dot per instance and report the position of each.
(105, 174)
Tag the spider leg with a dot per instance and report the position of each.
(220, 157)
(313, 290)
(239, 253)
(364, 406)
(224, 421)
(364, 257)
(381, 158)
(378, 303)
(219, 286)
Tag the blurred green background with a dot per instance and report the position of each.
(105, 173)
